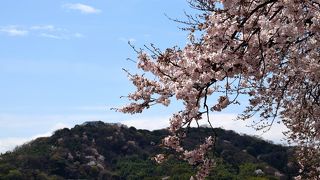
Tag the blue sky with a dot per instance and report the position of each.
(61, 62)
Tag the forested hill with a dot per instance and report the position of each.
(97, 150)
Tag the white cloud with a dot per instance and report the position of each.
(151, 123)
(52, 36)
(40, 125)
(57, 126)
(46, 31)
(8, 144)
(17, 122)
(50, 123)
(50, 31)
(126, 40)
(78, 35)
(225, 121)
(83, 8)
(61, 35)
(43, 27)
(14, 31)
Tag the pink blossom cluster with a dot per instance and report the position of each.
(309, 161)
(159, 158)
(173, 142)
(265, 50)
(204, 169)
(198, 155)
(176, 123)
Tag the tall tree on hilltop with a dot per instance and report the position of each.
(266, 50)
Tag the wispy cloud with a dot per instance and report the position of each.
(78, 35)
(45, 31)
(50, 31)
(44, 27)
(52, 36)
(83, 8)
(14, 31)
(61, 35)
(126, 40)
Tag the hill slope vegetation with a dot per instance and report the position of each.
(97, 150)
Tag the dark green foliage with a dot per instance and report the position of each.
(96, 150)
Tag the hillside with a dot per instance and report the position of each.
(97, 150)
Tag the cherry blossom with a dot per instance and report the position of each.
(265, 50)
(159, 158)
